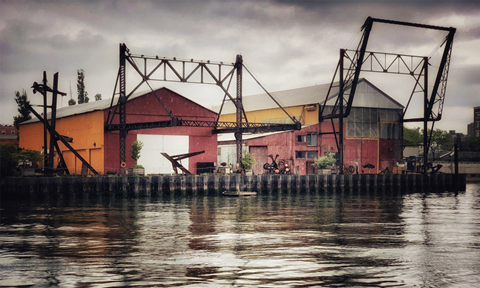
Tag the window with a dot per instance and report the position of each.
(306, 154)
(311, 139)
(312, 154)
(301, 138)
(3, 132)
(13, 132)
(300, 154)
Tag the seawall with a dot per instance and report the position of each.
(215, 184)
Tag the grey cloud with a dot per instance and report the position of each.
(468, 75)
(286, 44)
(472, 33)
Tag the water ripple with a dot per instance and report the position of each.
(322, 240)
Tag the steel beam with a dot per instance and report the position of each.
(62, 139)
(239, 109)
(53, 120)
(122, 101)
(350, 80)
(203, 72)
(45, 130)
(340, 101)
(426, 116)
(219, 127)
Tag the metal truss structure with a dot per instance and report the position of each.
(351, 63)
(185, 71)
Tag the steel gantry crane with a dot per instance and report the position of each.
(350, 66)
(186, 71)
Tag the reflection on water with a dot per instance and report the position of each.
(326, 240)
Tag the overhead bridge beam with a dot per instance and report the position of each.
(219, 127)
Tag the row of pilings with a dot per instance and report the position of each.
(215, 184)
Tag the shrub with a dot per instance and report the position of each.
(325, 161)
(29, 157)
(8, 162)
(136, 149)
(248, 161)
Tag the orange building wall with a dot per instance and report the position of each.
(88, 139)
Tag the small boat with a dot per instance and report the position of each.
(238, 193)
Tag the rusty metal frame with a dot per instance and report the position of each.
(62, 139)
(342, 106)
(175, 158)
(207, 72)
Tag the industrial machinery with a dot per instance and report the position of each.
(154, 68)
(349, 67)
(49, 130)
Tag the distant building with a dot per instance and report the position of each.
(470, 129)
(454, 134)
(373, 130)
(9, 135)
(476, 121)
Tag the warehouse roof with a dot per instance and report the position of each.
(367, 95)
(98, 106)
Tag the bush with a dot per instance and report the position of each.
(29, 157)
(248, 161)
(136, 149)
(8, 163)
(325, 161)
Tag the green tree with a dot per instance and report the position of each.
(136, 149)
(98, 97)
(28, 157)
(24, 113)
(82, 94)
(412, 137)
(441, 141)
(473, 143)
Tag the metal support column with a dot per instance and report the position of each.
(340, 101)
(426, 114)
(455, 149)
(53, 139)
(122, 103)
(45, 139)
(239, 108)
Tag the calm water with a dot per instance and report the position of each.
(324, 240)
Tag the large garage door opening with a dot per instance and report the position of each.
(153, 145)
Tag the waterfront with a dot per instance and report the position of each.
(321, 239)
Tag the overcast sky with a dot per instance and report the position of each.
(286, 44)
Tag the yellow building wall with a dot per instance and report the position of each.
(87, 131)
(307, 116)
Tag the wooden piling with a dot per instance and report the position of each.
(72, 188)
